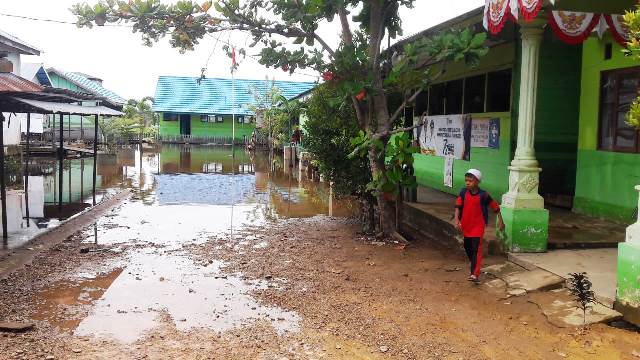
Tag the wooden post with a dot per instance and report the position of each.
(69, 128)
(60, 164)
(82, 179)
(26, 171)
(81, 129)
(61, 137)
(95, 156)
(3, 190)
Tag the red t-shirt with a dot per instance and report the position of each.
(472, 218)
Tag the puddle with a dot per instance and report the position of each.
(130, 302)
(61, 304)
(183, 195)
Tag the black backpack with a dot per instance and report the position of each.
(484, 203)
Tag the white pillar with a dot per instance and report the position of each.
(524, 170)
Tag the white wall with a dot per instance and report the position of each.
(11, 129)
(13, 57)
(36, 198)
(36, 123)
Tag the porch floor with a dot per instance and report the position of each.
(599, 264)
(566, 229)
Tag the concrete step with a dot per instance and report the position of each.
(433, 222)
(546, 290)
(561, 310)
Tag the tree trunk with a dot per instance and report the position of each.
(386, 208)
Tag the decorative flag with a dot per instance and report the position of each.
(496, 14)
(234, 64)
(618, 29)
(529, 8)
(573, 27)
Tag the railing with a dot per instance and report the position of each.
(210, 140)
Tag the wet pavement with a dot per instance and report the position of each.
(182, 196)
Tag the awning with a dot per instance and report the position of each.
(61, 108)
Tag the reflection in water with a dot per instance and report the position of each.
(182, 195)
(52, 191)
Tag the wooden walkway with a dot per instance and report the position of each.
(49, 150)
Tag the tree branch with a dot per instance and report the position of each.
(413, 97)
(347, 36)
(404, 104)
(396, 131)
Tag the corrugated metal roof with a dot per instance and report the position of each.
(178, 94)
(91, 86)
(14, 83)
(18, 44)
(95, 88)
(60, 108)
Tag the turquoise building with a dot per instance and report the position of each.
(191, 107)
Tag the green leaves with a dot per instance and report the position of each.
(398, 155)
(632, 22)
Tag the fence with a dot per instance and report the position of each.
(210, 140)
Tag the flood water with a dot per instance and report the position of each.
(259, 187)
(182, 195)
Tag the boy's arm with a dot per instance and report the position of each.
(456, 216)
(496, 208)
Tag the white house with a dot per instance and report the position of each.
(12, 48)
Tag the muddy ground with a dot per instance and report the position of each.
(338, 295)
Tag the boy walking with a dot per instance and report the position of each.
(472, 216)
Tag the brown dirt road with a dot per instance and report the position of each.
(355, 300)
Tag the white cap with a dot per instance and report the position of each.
(476, 173)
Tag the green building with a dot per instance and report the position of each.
(193, 108)
(559, 87)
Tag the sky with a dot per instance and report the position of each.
(129, 68)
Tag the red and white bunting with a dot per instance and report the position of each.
(496, 14)
(529, 9)
(618, 29)
(573, 27)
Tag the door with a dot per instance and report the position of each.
(185, 124)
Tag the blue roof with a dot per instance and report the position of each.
(43, 77)
(91, 86)
(176, 94)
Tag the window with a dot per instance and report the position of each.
(240, 119)
(208, 118)
(474, 89)
(436, 99)
(618, 89)
(499, 91)
(476, 94)
(422, 102)
(453, 97)
(219, 118)
(170, 117)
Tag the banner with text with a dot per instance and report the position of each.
(446, 135)
(485, 133)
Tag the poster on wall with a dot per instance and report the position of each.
(446, 135)
(485, 133)
(448, 171)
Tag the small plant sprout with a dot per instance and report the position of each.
(580, 288)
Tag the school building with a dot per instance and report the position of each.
(194, 108)
(557, 83)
